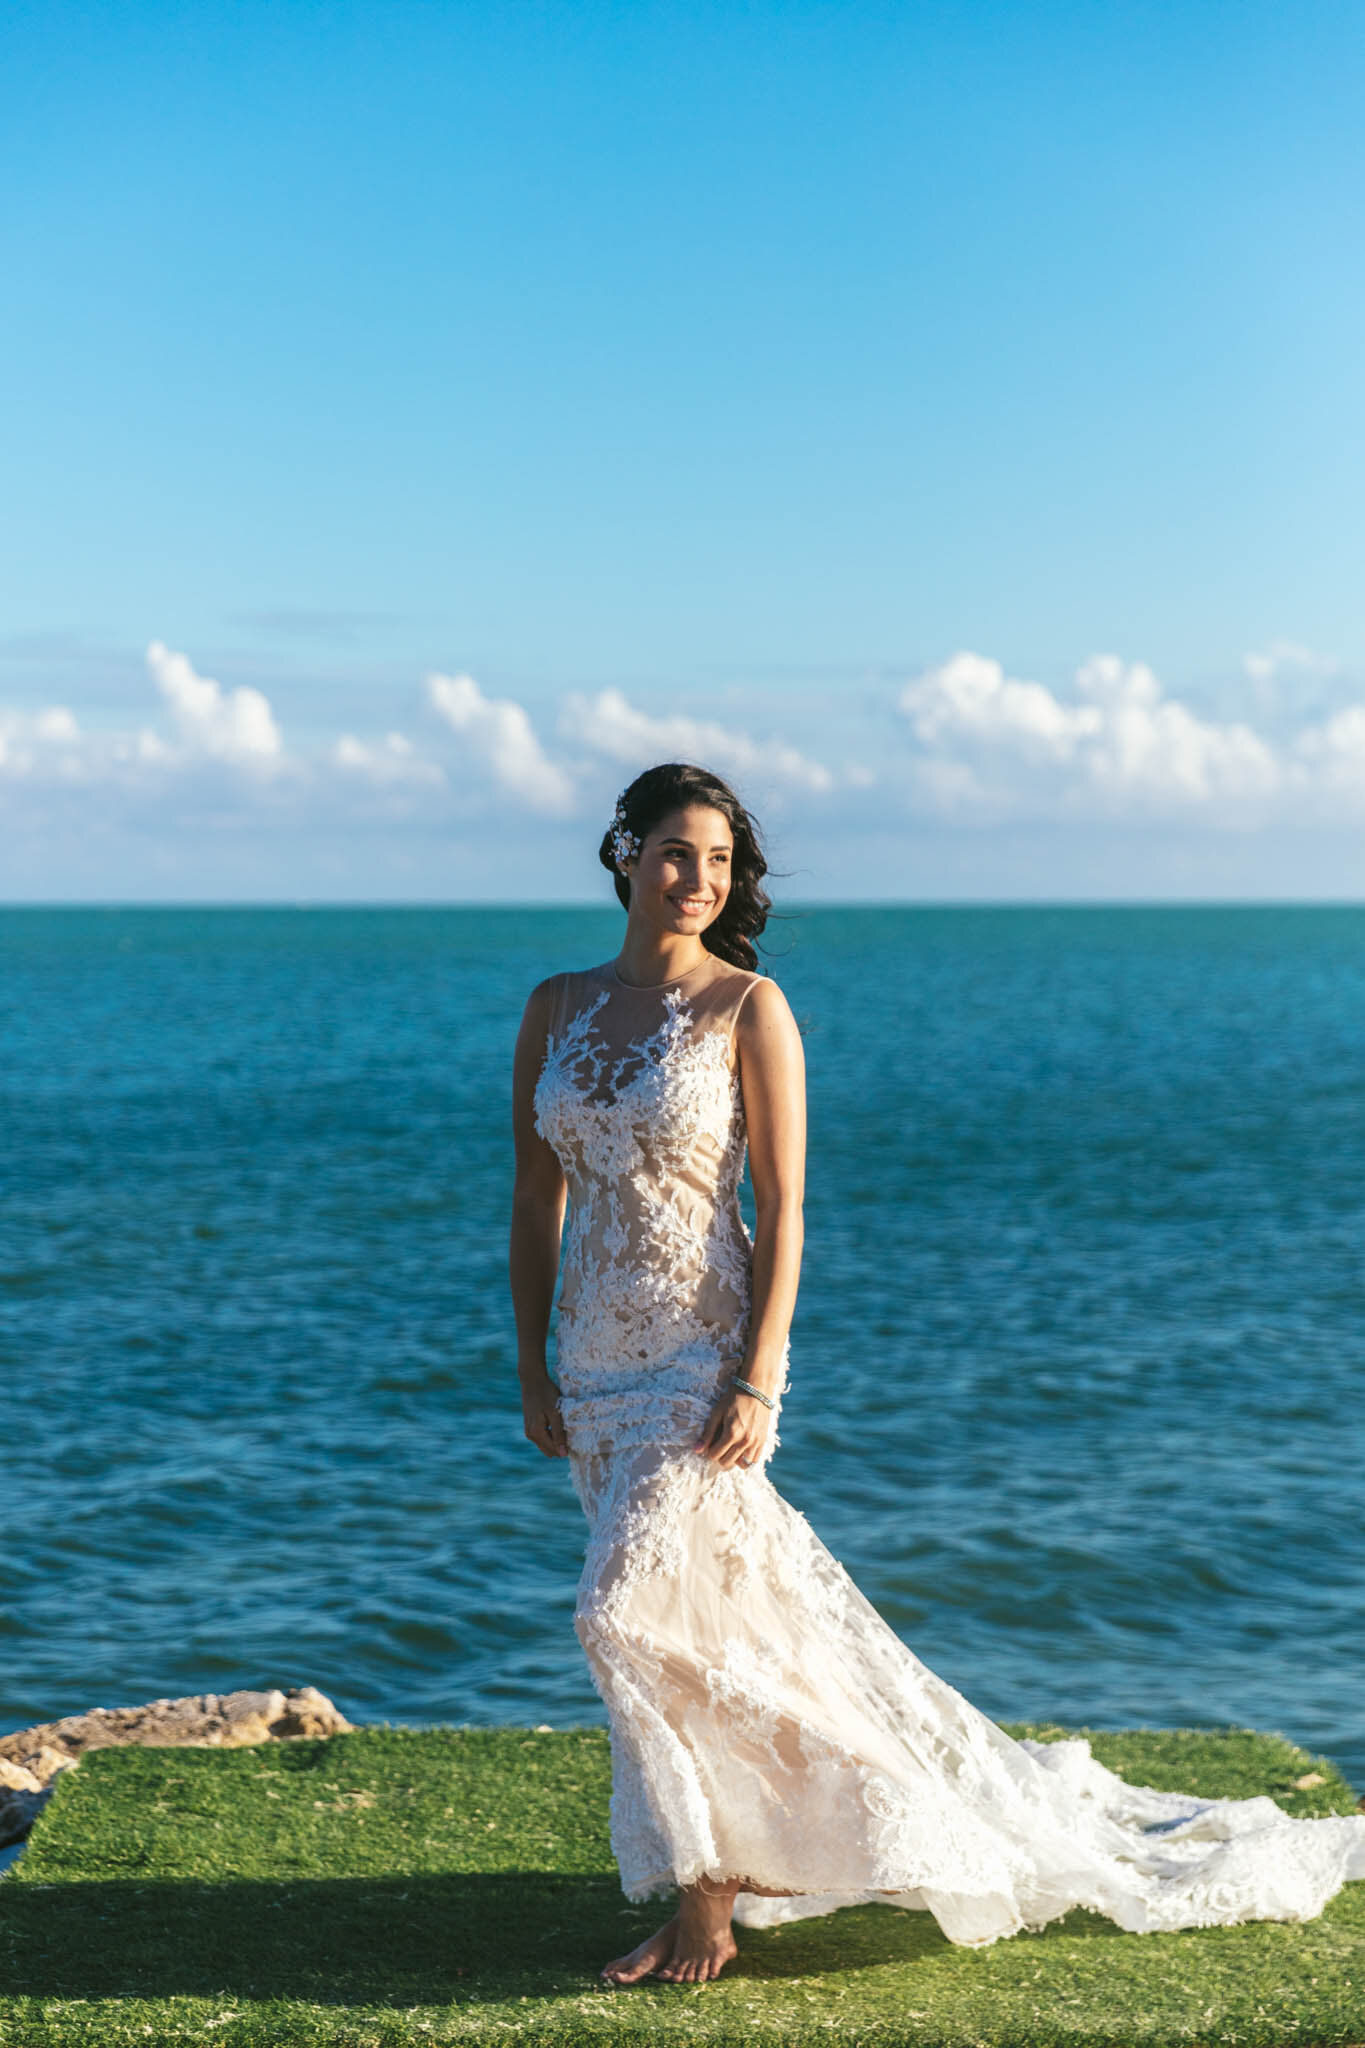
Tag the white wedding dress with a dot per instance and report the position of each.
(765, 1722)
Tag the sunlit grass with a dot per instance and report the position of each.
(395, 1886)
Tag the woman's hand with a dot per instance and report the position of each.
(544, 1423)
(736, 1429)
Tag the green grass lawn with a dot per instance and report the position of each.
(398, 1886)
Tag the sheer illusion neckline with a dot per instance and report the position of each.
(644, 988)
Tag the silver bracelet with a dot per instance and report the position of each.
(757, 1392)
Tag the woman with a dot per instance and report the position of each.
(777, 1751)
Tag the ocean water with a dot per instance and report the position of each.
(1076, 1364)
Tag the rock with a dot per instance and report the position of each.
(308, 1712)
(218, 1719)
(30, 1758)
(44, 1762)
(16, 1778)
(22, 1794)
(1309, 1778)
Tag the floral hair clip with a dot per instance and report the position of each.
(624, 844)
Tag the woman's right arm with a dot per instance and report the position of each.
(538, 1200)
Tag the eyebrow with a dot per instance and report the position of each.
(677, 839)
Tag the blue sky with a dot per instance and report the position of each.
(945, 420)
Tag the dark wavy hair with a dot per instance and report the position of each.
(671, 786)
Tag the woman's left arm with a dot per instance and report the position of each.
(773, 1084)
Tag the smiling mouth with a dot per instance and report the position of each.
(692, 905)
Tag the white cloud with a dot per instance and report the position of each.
(1332, 754)
(57, 724)
(235, 725)
(30, 741)
(609, 724)
(498, 732)
(213, 730)
(395, 760)
(1288, 684)
(51, 747)
(970, 700)
(1118, 743)
(1152, 745)
(953, 788)
(1269, 662)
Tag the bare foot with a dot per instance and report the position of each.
(702, 1943)
(644, 1960)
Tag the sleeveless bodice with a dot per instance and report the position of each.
(639, 1094)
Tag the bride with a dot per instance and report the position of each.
(777, 1751)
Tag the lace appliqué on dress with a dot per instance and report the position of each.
(655, 1298)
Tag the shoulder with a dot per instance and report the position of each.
(751, 988)
(768, 1051)
(554, 985)
(550, 997)
(542, 997)
(763, 1011)
(544, 1001)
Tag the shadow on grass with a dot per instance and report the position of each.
(394, 1940)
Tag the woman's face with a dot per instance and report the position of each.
(680, 878)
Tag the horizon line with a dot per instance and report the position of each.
(777, 911)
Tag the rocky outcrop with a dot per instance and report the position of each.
(32, 1758)
(23, 1793)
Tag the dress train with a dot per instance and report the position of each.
(768, 1724)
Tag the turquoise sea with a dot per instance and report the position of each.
(1076, 1366)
